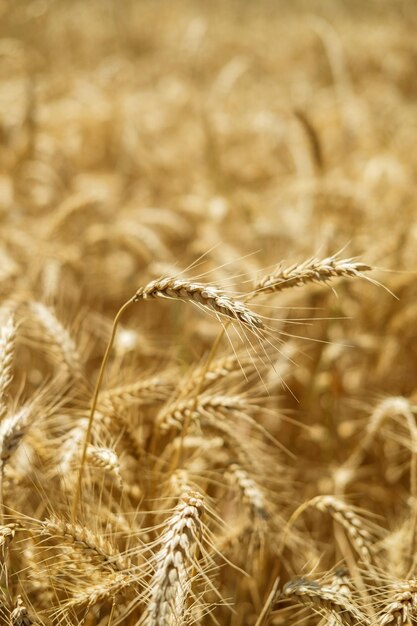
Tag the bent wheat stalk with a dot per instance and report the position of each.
(99, 381)
(210, 298)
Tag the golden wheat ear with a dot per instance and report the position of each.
(402, 606)
(326, 601)
(311, 271)
(174, 563)
(208, 297)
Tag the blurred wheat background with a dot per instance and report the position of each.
(243, 176)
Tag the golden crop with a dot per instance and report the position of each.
(208, 312)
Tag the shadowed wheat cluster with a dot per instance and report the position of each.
(208, 313)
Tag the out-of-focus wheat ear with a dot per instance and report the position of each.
(325, 601)
(50, 279)
(171, 583)
(82, 540)
(311, 271)
(7, 350)
(141, 392)
(62, 343)
(360, 536)
(392, 407)
(210, 405)
(218, 369)
(12, 430)
(89, 595)
(395, 407)
(347, 517)
(208, 297)
(252, 493)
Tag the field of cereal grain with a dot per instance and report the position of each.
(208, 309)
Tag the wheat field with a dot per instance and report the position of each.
(208, 312)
